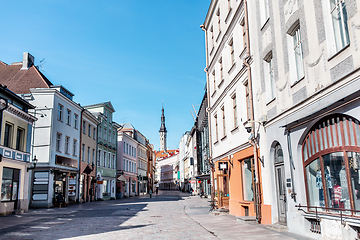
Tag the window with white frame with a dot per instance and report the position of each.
(58, 142)
(89, 130)
(67, 142)
(214, 80)
(299, 63)
(218, 23)
(235, 110)
(109, 136)
(74, 147)
(99, 158)
(339, 23)
(124, 147)
(93, 156)
(269, 77)
(114, 163)
(104, 160)
(88, 155)
(105, 134)
(83, 152)
(223, 122)
(84, 127)
(100, 132)
(68, 117)
(109, 160)
(264, 11)
(60, 112)
(75, 121)
(221, 70)
(94, 133)
(216, 128)
(212, 37)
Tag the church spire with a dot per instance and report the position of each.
(162, 131)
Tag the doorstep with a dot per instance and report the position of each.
(278, 227)
(246, 218)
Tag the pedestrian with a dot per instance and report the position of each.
(150, 193)
(157, 190)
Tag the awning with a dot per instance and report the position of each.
(122, 178)
(205, 176)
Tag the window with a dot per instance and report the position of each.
(235, 110)
(105, 134)
(339, 22)
(124, 147)
(216, 129)
(109, 160)
(248, 101)
(127, 165)
(88, 155)
(223, 118)
(298, 55)
(76, 121)
(68, 117)
(114, 163)
(127, 148)
(124, 166)
(10, 184)
(135, 153)
(99, 158)
(89, 130)
(109, 136)
(104, 163)
(218, 23)
(20, 139)
(247, 175)
(232, 55)
(8, 135)
(58, 142)
(83, 152)
(84, 127)
(269, 78)
(331, 154)
(264, 11)
(74, 147)
(60, 114)
(94, 133)
(67, 140)
(212, 37)
(93, 156)
(100, 132)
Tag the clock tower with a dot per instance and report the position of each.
(162, 132)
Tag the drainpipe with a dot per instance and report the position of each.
(209, 120)
(292, 166)
(257, 187)
(80, 155)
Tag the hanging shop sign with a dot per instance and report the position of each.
(223, 166)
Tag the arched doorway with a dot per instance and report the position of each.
(280, 182)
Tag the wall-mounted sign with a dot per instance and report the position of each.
(223, 166)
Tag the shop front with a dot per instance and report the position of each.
(87, 183)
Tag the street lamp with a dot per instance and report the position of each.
(34, 161)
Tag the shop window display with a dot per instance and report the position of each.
(331, 160)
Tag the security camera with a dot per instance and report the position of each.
(248, 127)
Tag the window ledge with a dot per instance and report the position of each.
(228, 15)
(337, 53)
(235, 128)
(212, 50)
(216, 142)
(272, 100)
(212, 95)
(296, 82)
(223, 138)
(232, 68)
(265, 23)
(218, 36)
(221, 82)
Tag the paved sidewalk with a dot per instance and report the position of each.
(227, 226)
(169, 215)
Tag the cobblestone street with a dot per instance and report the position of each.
(170, 215)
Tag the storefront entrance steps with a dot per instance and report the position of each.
(278, 227)
(246, 218)
(220, 211)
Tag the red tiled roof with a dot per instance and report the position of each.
(165, 154)
(20, 81)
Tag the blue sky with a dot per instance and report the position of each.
(135, 54)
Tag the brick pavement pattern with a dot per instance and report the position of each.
(169, 215)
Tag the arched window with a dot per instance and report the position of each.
(278, 154)
(331, 154)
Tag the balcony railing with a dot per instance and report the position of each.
(342, 215)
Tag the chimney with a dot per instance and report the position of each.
(28, 61)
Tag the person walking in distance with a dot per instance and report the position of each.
(150, 193)
(157, 190)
